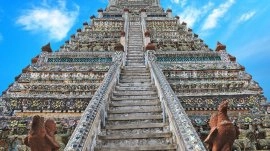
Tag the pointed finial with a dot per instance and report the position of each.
(47, 48)
(220, 46)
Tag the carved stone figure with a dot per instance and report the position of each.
(50, 127)
(223, 132)
(38, 139)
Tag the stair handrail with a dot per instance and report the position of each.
(84, 135)
(126, 38)
(186, 136)
(143, 25)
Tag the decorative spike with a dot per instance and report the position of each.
(123, 34)
(100, 10)
(119, 47)
(232, 58)
(47, 48)
(169, 10)
(143, 10)
(92, 17)
(150, 46)
(220, 47)
(147, 34)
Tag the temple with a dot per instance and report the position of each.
(134, 77)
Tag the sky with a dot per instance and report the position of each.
(242, 25)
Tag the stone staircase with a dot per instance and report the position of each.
(135, 120)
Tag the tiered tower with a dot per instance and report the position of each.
(138, 66)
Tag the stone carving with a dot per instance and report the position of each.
(50, 127)
(39, 139)
(47, 48)
(223, 132)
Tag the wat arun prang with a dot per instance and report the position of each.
(61, 83)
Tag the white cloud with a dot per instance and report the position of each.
(181, 2)
(247, 16)
(55, 22)
(212, 20)
(191, 15)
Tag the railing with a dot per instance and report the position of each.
(186, 137)
(84, 136)
(126, 28)
(143, 27)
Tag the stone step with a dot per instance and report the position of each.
(132, 74)
(135, 72)
(133, 93)
(135, 52)
(132, 62)
(135, 80)
(135, 44)
(136, 136)
(130, 110)
(134, 30)
(135, 49)
(135, 97)
(135, 77)
(137, 142)
(123, 88)
(148, 121)
(144, 72)
(140, 109)
(135, 41)
(135, 90)
(134, 131)
(136, 55)
(135, 58)
(138, 148)
(135, 64)
(142, 68)
(134, 117)
(134, 84)
(135, 126)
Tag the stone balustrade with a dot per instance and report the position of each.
(180, 124)
(95, 113)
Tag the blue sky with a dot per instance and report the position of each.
(242, 25)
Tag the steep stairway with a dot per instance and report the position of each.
(135, 120)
